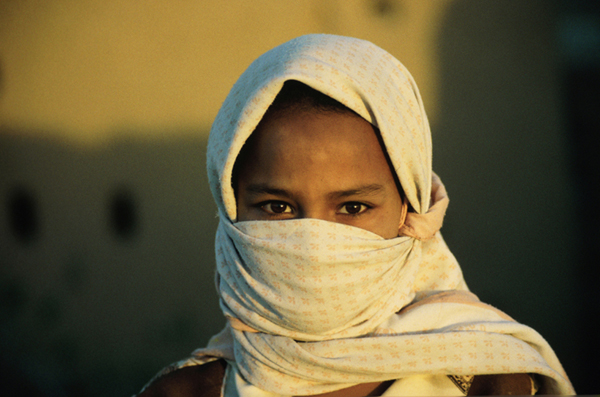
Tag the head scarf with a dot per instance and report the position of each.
(314, 306)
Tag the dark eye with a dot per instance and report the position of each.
(277, 207)
(353, 208)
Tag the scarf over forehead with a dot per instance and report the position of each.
(313, 306)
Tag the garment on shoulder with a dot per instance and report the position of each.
(452, 336)
(188, 378)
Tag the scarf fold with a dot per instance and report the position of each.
(425, 226)
(314, 306)
(446, 333)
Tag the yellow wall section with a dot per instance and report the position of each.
(83, 69)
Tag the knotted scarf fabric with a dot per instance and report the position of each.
(314, 306)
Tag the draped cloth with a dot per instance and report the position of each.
(314, 306)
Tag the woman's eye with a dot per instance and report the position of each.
(353, 208)
(277, 207)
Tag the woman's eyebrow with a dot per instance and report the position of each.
(263, 188)
(365, 190)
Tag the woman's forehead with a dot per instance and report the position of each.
(305, 144)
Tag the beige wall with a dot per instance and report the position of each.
(81, 69)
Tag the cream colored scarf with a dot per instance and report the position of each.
(314, 306)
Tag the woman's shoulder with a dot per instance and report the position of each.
(205, 379)
(191, 378)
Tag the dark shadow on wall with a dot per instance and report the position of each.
(579, 34)
(582, 87)
(106, 262)
(503, 151)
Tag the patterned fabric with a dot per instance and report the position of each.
(462, 382)
(312, 280)
(314, 306)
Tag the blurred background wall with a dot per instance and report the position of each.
(106, 220)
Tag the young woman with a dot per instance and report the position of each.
(331, 271)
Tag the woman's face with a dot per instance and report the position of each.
(309, 164)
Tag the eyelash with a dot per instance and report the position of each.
(363, 208)
(272, 213)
